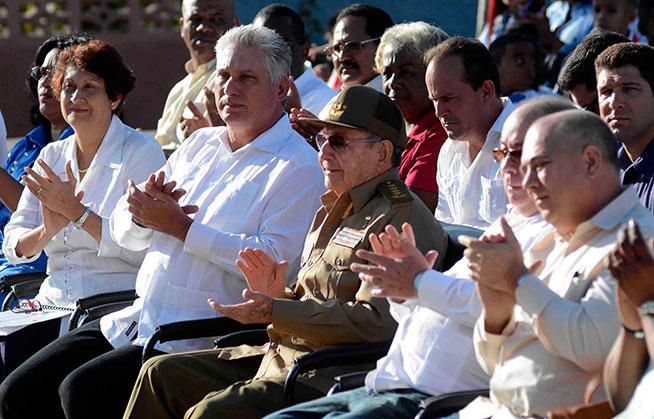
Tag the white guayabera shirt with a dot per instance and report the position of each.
(432, 350)
(263, 195)
(79, 266)
(471, 193)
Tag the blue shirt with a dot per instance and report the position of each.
(22, 155)
(571, 24)
(640, 174)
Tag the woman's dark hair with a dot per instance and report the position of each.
(56, 42)
(101, 59)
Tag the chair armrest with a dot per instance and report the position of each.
(347, 382)
(21, 289)
(251, 337)
(7, 281)
(446, 404)
(193, 329)
(100, 305)
(332, 357)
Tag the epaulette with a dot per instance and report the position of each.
(396, 192)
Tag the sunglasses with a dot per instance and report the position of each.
(499, 154)
(38, 72)
(338, 142)
(352, 46)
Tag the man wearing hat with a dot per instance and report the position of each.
(360, 143)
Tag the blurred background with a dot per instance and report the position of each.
(146, 32)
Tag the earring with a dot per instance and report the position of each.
(114, 105)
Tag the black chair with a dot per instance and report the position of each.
(455, 250)
(347, 382)
(96, 306)
(20, 286)
(323, 358)
(446, 404)
(194, 329)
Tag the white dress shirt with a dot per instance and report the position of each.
(471, 193)
(432, 350)
(263, 195)
(79, 266)
(565, 320)
(314, 93)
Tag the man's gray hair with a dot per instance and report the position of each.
(415, 37)
(276, 53)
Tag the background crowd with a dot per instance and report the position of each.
(477, 214)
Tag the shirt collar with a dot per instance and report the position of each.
(201, 69)
(611, 216)
(360, 195)
(40, 135)
(110, 153)
(363, 193)
(428, 125)
(644, 164)
(271, 140)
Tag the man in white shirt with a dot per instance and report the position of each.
(252, 183)
(314, 93)
(544, 335)
(432, 350)
(201, 24)
(463, 85)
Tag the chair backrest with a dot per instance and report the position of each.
(455, 250)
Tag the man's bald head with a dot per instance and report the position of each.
(574, 130)
(513, 135)
(569, 167)
(226, 5)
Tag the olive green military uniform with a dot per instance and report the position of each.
(328, 306)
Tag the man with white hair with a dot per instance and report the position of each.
(399, 60)
(252, 183)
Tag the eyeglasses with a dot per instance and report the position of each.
(30, 306)
(352, 46)
(338, 142)
(39, 72)
(500, 153)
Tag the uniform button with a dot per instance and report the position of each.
(339, 262)
(310, 263)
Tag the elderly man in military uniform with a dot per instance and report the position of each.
(360, 146)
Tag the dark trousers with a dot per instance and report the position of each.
(17, 347)
(79, 375)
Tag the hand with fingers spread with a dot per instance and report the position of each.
(397, 262)
(257, 308)
(212, 109)
(160, 211)
(495, 262)
(303, 128)
(631, 264)
(190, 125)
(262, 273)
(56, 194)
(156, 185)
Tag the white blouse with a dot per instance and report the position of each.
(79, 266)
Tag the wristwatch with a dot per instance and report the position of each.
(646, 309)
(79, 223)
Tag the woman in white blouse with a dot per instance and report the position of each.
(76, 182)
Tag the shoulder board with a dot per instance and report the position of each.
(395, 192)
